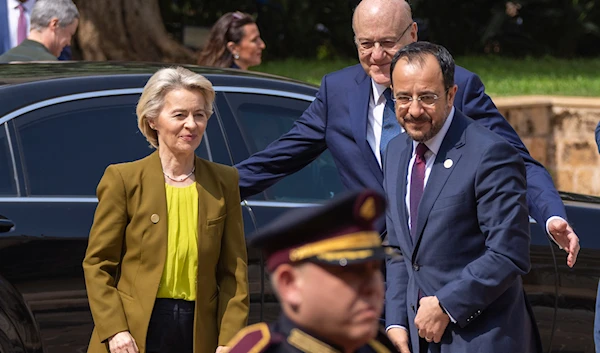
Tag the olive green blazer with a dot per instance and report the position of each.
(127, 248)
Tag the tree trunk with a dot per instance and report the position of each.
(126, 30)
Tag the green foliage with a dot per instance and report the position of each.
(564, 28)
(501, 76)
(323, 28)
(290, 28)
(311, 71)
(547, 75)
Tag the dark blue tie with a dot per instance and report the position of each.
(389, 126)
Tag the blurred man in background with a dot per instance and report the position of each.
(52, 25)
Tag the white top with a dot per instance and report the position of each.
(13, 18)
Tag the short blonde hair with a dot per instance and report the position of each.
(162, 82)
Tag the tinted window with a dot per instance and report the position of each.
(66, 147)
(263, 119)
(7, 177)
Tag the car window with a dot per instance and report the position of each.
(7, 177)
(66, 147)
(265, 118)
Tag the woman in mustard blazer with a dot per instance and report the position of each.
(166, 263)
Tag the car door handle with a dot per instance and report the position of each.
(6, 225)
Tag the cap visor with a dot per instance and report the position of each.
(350, 257)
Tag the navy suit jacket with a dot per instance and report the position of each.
(597, 133)
(337, 120)
(471, 245)
(4, 31)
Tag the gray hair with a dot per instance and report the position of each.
(162, 82)
(45, 10)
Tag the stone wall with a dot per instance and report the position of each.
(559, 132)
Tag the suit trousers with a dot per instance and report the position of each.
(171, 328)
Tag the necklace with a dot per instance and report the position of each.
(184, 178)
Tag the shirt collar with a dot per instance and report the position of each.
(377, 91)
(435, 142)
(28, 5)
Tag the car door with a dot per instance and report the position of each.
(256, 118)
(578, 286)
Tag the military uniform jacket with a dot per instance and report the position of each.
(284, 336)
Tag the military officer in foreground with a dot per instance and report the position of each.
(325, 267)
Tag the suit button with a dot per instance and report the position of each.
(416, 267)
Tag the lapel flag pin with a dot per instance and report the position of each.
(448, 163)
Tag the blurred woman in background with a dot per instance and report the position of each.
(234, 42)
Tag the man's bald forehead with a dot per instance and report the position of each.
(382, 8)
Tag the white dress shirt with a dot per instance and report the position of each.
(13, 18)
(375, 118)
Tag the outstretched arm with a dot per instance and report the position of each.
(545, 204)
(290, 153)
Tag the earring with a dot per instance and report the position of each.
(236, 56)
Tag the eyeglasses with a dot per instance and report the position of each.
(366, 46)
(428, 100)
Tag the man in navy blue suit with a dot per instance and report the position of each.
(458, 214)
(348, 117)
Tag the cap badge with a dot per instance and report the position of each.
(367, 209)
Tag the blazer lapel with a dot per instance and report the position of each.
(204, 185)
(155, 201)
(4, 30)
(358, 104)
(449, 150)
(401, 192)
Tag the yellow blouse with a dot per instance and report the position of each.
(181, 267)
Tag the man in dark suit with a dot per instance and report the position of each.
(352, 117)
(458, 214)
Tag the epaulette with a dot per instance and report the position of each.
(252, 339)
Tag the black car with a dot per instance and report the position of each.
(61, 124)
